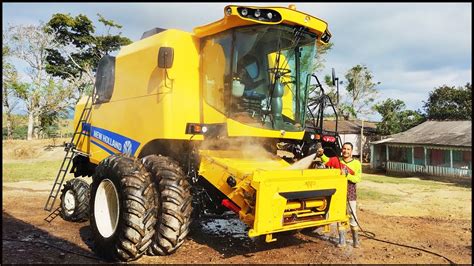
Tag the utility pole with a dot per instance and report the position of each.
(361, 153)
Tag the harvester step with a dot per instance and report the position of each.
(81, 153)
(70, 146)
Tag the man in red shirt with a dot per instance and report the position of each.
(353, 170)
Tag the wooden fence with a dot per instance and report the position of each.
(428, 169)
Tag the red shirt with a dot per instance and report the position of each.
(334, 162)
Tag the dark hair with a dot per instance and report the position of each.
(348, 143)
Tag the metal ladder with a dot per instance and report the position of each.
(70, 152)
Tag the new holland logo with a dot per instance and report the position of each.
(112, 142)
(127, 147)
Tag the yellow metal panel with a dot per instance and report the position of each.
(144, 106)
(83, 144)
(268, 176)
(217, 166)
(246, 159)
(211, 115)
(236, 129)
(289, 16)
(270, 205)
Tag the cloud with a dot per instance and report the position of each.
(413, 87)
(411, 48)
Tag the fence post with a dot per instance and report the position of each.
(451, 158)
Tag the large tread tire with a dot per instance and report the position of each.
(137, 211)
(174, 201)
(78, 191)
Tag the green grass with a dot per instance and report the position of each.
(401, 180)
(31, 171)
(370, 194)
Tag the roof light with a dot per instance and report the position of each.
(228, 11)
(266, 15)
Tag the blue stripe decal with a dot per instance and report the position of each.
(86, 128)
(117, 141)
(102, 147)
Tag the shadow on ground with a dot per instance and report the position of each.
(23, 243)
(86, 235)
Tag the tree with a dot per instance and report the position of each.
(320, 60)
(9, 81)
(51, 110)
(450, 103)
(312, 66)
(361, 92)
(312, 63)
(30, 43)
(331, 89)
(76, 57)
(395, 118)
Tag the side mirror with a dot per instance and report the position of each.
(165, 57)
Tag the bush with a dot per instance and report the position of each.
(19, 132)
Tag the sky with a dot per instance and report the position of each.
(411, 48)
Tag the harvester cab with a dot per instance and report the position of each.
(184, 121)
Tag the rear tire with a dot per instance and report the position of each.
(122, 208)
(174, 203)
(75, 200)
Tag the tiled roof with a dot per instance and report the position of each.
(349, 126)
(443, 133)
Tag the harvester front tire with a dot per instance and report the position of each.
(123, 210)
(75, 200)
(174, 202)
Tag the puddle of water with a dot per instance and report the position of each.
(231, 227)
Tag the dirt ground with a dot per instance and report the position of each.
(437, 222)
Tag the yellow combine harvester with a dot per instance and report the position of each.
(182, 121)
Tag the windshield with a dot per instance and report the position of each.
(257, 75)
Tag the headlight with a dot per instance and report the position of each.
(266, 15)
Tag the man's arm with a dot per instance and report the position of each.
(332, 162)
(355, 171)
